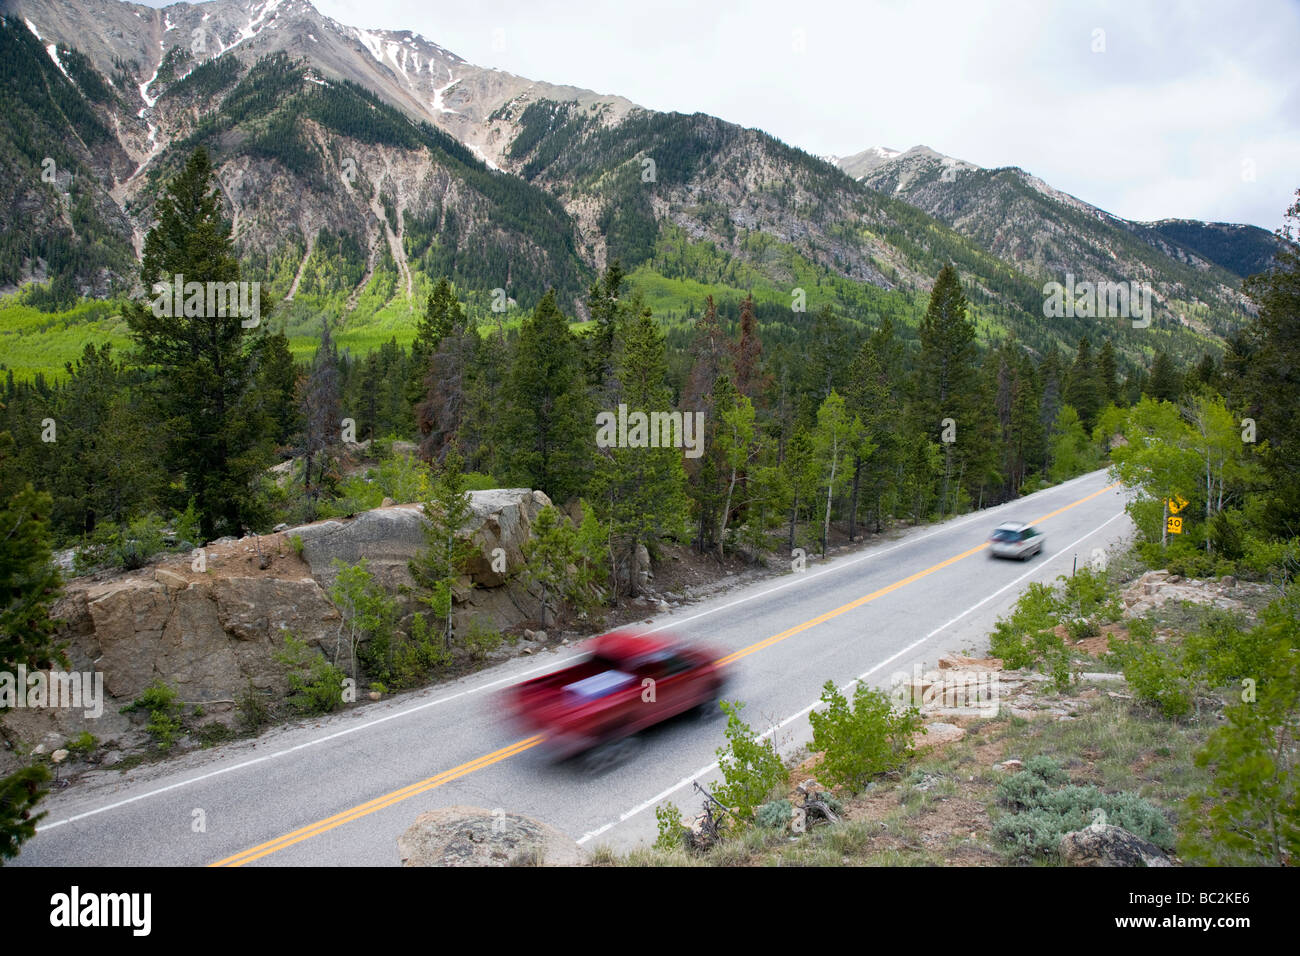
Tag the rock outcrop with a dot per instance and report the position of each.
(1102, 844)
(388, 538)
(473, 836)
(209, 631)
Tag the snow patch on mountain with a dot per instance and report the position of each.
(371, 43)
(53, 50)
(478, 151)
(437, 105)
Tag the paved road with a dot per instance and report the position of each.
(340, 790)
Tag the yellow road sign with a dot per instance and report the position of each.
(1176, 504)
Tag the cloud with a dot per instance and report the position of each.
(1154, 124)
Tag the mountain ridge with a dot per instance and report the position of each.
(499, 181)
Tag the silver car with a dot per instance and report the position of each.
(1015, 540)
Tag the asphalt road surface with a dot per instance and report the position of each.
(340, 790)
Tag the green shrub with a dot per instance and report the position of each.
(1249, 814)
(1186, 555)
(1022, 639)
(481, 639)
(1022, 790)
(861, 742)
(418, 655)
(774, 815)
(128, 546)
(1221, 651)
(1088, 593)
(751, 767)
(254, 712)
(83, 744)
(1032, 834)
(1039, 814)
(672, 832)
(404, 478)
(369, 619)
(1046, 769)
(295, 542)
(315, 685)
(1228, 535)
(1154, 672)
(1080, 627)
(187, 528)
(164, 709)
(1263, 556)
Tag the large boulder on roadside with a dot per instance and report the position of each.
(207, 639)
(1102, 844)
(388, 538)
(473, 836)
(503, 518)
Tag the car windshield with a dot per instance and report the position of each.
(1006, 534)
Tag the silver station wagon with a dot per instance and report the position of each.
(1015, 540)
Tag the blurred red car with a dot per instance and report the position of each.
(626, 683)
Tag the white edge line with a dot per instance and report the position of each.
(647, 804)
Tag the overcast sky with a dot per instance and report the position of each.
(1150, 110)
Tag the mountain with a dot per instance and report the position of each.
(359, 165)
(1242, 250)
(1046, 233)
(322, 134)
(859, 164)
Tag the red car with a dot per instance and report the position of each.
(626, 683)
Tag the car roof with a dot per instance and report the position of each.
(1012, 526)
(627, 645)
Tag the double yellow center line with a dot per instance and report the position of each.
(379, 803)
(487, 760)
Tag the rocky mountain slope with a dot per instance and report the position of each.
(1046, 233)
(365, 162)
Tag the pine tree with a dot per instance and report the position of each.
(481, 425)
(1049, 407)
(105, 465)
(710, 359)
(1165, 384)
(548, 425)
(442, 314)
(442, 411)
(204, 367)
(603, 304)
(1108, 374)
(747, 356)
(29, 586)
(1083, 390)
(826, 359)
(640, 491)
(946, 379)
(1272, 385)
(1024, 432)
(447, 553)
(874, 395)
(277, 386)
(323, 416)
